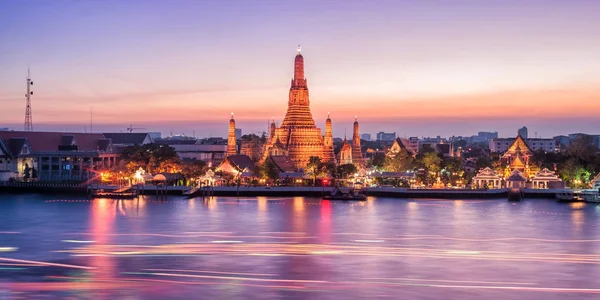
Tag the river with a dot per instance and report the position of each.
(297, 248)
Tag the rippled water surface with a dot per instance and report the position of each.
(297, 248)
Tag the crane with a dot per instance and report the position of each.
(131, 128)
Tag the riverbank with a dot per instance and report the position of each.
(250, 191)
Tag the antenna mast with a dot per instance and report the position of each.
(28, 122)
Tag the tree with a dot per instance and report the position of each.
(378, 160)
(313, 168)
(400, 162)
(193, 170)
(344, 171)
(432, 162)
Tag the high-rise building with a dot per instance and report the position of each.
(298, 137)
(385, 136)
(523, 132)
(238, 133)
(366, 137)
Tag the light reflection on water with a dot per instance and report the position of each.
(292, 247)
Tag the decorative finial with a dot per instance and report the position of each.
(299, 49)
(356, 118)
(232, 115)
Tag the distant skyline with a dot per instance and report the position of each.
(417, 68)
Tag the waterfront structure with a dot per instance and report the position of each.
(345, 153)
(487, 178)
(298, 137)
(386, 136)
(357, 157)
(546, 179)
(231, 138)
(328, 153)
(55, 156)
(516, 180)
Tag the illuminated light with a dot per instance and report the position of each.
(369, 241)
(463, 252)
(8, 249)
(224, 242)
(210, 272)
(326, 252)
(453, 281)
(77, 241)
(238, 278)
(40, 263)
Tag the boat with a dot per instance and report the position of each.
(346, 195)
(569, 196)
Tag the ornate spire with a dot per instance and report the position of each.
(299, 50)
(231, 139)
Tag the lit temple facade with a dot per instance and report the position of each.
(298, 138)
(357, 157)
(517, 158)
(231, 140)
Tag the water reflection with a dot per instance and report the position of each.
(309, 249)
(101, 227)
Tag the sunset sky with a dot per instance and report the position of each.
(419, 68)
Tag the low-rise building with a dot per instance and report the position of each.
(501, 145)
(212, 155)
(55, 156)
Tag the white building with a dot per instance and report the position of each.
(502, 145)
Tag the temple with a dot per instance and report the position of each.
(517, 158)
(298, 138)
(231, 140)
(357, 157)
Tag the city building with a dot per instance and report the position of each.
(55, 156)
(523, 132)
(502, 144)
(366, 137)
(298, 137)
(212, 155)
(483, 137)
(413, 142)
(592, 139)
(238, 133)
(126, 139)
(386, 136)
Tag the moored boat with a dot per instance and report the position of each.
(347, 195)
